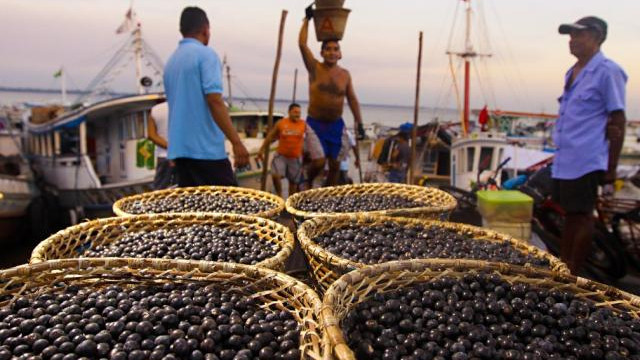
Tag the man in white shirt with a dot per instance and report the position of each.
(158, 133)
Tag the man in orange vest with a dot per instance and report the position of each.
(287, 162)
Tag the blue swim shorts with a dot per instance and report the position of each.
(330, 135)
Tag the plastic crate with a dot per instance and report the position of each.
(510, 206)
(519, 230)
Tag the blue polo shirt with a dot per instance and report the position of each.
(580, 132)
(193, 71)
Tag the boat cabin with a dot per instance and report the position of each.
(475, 154)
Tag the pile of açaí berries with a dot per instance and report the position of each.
(354, 203)
(378, 243)
(481, 316)
(171, 321)
(193, 242)
(202, 202)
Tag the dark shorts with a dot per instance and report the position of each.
(330, 135)
(577, 195)
(195, 172)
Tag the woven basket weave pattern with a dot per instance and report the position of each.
(271, 289)
(437, 206)
(328, 267)
(72, 241)
(276, 202)
(357, 286)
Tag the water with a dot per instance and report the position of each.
(388, 115)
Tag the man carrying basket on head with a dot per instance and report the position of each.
(329, 85)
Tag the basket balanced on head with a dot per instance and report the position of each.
(151, 308)
(202, 237)
(459, 309)
(202, 199)
(338, 244)
(375, 199)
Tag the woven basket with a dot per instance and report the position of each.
(328, 267)
(73, 241)
(439, 202)
(235, 192)
(271, 289)
(357, 286)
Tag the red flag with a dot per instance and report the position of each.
(483, 118)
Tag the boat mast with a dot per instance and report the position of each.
(63, 85)
(295, 85)
(467, 55)
(137, 45)
(227, 68)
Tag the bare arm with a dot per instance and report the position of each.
(354, 105)
(154, 136)
(615, 135)
(221, 117)
(307, 56)
(272, 136)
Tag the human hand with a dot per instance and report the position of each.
(357, 163)
(308, 12)
(241, 155)
(259, 156)
(360, 130)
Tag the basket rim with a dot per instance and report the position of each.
(37, 255)
(272, 198)
(285, 285)
(407, 268)
(180, 265)
(292, 201)
(312, 248)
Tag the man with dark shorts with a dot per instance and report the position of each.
(588, 135)
(198, 117)
(329, 84)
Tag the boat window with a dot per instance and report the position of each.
(486, 158)
(461, 159)
(139, 125)
(471, 157)
(121, 129)
(69, 141)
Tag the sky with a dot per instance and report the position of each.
(380, 46)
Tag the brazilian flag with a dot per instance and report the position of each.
(145, 150)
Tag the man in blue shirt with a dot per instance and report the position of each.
(198, 117)
(588, 134)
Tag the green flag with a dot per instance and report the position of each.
(58, 73)
(145, 149)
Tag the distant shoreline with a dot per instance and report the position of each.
(82, 92)
(49, 91)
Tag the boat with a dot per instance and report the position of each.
(92, 156)
(17, 185)
(97, 152)
(516, 138)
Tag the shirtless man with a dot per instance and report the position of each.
(329, 84)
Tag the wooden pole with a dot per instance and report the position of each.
(295, 85)
(274, 80)
(416, 108)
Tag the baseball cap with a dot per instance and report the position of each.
(586, 23)
(406, 127)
